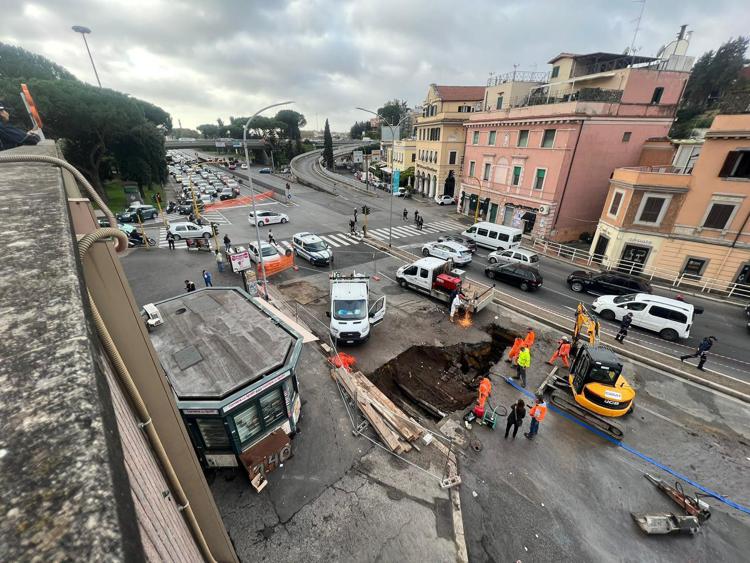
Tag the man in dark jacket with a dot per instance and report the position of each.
(702, 351)
(12, 137)
(624, 326)
(515, 417)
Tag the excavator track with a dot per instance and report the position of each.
(564, 402)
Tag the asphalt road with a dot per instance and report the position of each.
(324, 214)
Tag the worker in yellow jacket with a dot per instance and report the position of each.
(523, 362)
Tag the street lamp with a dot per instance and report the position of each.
(252, 196)
(84, 31)
(479, 193)
(393, 143)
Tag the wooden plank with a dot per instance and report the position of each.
(400, 425)
(389, 437)
(382, 400)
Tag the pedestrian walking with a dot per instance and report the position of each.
(170, 240)
(227, 243)
(208, 280)
(515, 417)
(515, 349)
(420, 222)
(351, 226)
(624, 326)
(528, 341)
(522, 364)
(271, 240)
(537, 413)
(416, 215)
(702, 351)
(455, 305)
(364, 230)
(355, 214)
(406, 214)
(189, 286)
(219, 261)
(562, 352)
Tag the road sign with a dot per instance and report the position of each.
(240, 261)
(396, 180)
(357, 157)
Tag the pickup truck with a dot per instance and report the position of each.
(438, 279)
(351, 314)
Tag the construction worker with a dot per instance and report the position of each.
(530, 337)
(625, 323)
(702, 351)
(523, 362)
(537, 413)
(485, 388)
(562, 352)
(455, 305)
(515, 349)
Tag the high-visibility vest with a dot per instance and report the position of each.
(530, 337)
(539, 411)
(564, 349)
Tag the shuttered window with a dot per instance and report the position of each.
(718, 216)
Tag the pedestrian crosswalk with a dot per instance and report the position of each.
(341, 239)
(207, 216)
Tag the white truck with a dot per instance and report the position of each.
(439, 279)
(351, 314)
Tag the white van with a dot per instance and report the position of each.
(350, 313)
(671, 318)
(494, 236)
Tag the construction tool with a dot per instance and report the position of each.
(483, 412)
(594, 382)
(696, 512)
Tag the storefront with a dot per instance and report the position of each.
(231, 364)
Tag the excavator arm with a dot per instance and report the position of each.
(586, 326)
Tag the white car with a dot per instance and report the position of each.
(267, 218)
(190, 230)
(448, 250)
(514, 255)
(444, 199)
(243, 166)
(270, 253)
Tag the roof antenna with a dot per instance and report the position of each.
(637, 29)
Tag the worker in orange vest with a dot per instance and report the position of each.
(537, 413)
(515, 349)
(562, 352)
(530, 337)
(485, 388)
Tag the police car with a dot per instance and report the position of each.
(312, 248)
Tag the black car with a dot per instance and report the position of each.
(187, 208)
(130, 215)
(520, 275)
(465, 241)
(607, 283)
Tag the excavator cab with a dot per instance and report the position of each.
(597, 383)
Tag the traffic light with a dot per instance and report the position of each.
(139, 214)
(215, 228)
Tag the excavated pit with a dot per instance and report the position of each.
(438, 380)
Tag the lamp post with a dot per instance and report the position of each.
(393, 142)
(252, 196)
(84, 31)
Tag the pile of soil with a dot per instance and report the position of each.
(439, 380)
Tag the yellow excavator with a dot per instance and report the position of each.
(595, 380)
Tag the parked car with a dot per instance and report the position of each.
(747, 314)
(129, 215)
(671, 318)
(448, 250)
(267, 218)
(270, 252)
(607, 283)
(525, 277)
(312, 248)
(516, 256)
(243, 166)
(190, 230)
(286, 170)
(463, 241)
(264, 171)
(445, 199)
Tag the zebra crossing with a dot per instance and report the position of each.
(208, 216)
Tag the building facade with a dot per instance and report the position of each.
(403, 154)
(440, 136)
(544, 161)
(685, 220)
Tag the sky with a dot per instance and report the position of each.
(220, 58)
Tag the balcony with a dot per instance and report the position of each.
(657, 178)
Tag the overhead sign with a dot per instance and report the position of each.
(357, 157)
(240, 261)
(220, 144)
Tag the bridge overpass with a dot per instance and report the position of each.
(253, 144)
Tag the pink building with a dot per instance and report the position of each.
(544, 160)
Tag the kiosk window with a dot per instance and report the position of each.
(272, 407)
(213, 433)
(248, 423)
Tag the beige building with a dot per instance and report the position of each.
(440, 136)
(403, 154)
(688, 221)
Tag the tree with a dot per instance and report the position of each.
(209, 130)
(292, 121)
(16, 62)
(393, 111)
(181, 132)
(359, 129)
(327, 147)
(714, 73)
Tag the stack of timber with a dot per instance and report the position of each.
(397, 431)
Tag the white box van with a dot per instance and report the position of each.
(350, 311)
(670, 318)
(494, 236)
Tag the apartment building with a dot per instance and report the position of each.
(686, 220)
(403, 154)
(541, 158)
(440, 136)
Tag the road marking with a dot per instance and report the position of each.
(330, 241)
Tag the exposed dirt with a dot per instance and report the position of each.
(301, 291)
(440, 379)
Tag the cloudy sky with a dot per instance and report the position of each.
(216, 58)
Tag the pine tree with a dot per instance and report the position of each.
(328, 147)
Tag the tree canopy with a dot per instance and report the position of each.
(16, 62)
(179, 132)
(327, 147)
(393, 111)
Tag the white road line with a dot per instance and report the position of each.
(330, 241)
(377, 235)
(339, 238)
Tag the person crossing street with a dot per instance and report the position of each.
(702, 351)
(355, 215)
(406, 214)
(625, 323)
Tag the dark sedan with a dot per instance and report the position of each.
(464, 241)
(187, 208)
(607, 283)
(524, 277)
